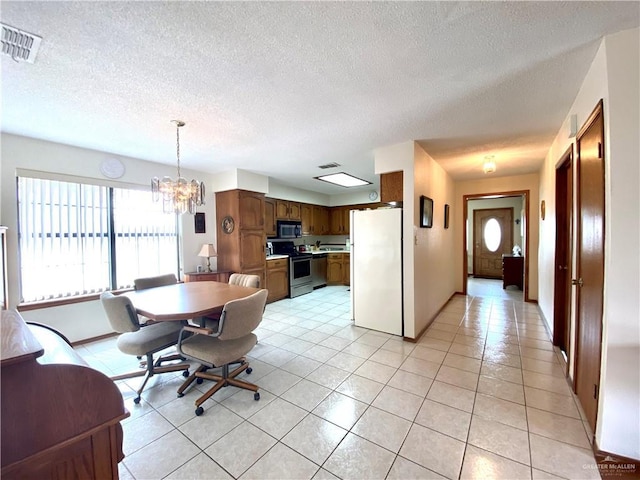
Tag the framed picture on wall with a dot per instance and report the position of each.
(446, 215)
(199, 223)
(426, 212)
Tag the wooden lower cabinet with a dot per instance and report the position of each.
(277, 279)
(338, 269)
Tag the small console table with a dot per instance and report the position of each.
(215, 276)
(512, 271)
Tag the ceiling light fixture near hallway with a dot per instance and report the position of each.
(178, 196)
(489, 165)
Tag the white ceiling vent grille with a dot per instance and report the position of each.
(329, 165)
(19, 45)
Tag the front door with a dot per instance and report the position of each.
(492, 237)
(590, 262)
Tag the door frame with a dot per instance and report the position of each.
(564, 223)
(527, 215)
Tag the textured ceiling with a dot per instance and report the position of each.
(280, 88)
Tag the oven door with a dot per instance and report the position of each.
(300, 276)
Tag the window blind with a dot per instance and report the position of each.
(77, 239)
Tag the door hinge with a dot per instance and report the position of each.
(595, 391)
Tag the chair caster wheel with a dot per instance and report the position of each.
(249, 370)
(180, 395)
(136, 400)
(256, 396)
(199, 411)
(199, 381)
(185, 373)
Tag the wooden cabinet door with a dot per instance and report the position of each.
(306, 214)
(334, 269)
(391, 189)
(320, 220)
(251, 210)
(346, 268)
(270, 217)
(282, 209)
(346, 218)
(252, 254)
(336, 220)
(277, 283)
(294, 211)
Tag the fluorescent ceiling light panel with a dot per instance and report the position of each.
(343, 179)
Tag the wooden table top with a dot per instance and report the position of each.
(184, 301)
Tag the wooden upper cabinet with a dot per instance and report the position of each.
(251, 210)
(270, 217)
(340, 220)
(320, 220)
(391, 187)
(286, 210)
(306, 215)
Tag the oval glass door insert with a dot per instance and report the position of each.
(492, 234)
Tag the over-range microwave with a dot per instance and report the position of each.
(288, 229)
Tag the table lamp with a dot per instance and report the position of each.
(208, 251)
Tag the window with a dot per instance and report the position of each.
(492, 235)
(77, 239)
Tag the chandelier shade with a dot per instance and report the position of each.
(178, 196)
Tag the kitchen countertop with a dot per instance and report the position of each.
(276, 257)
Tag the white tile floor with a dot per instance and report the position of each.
(481, 395)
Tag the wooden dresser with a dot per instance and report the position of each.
(216, 276)
(60, 418)
(512, 271)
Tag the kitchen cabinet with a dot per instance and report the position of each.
(286, 210)
(512, 271)
(240, 230)
(340, 220)
(320, 224)
(306, 215)
(338, 271)
(391, 189)
(270, 217)
(277, 279)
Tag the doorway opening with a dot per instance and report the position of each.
(495, 225)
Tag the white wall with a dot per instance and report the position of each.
(284, 192)
(434, 279)
(613, 77)
(499, 185)
(84, 320)
(516, 203)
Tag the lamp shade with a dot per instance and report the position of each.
(208, 250)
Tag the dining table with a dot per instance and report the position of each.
(186, 301)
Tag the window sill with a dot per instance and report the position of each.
(57, 302)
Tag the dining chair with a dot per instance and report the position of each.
(142, 340)
(240, 279)
(223, 347)
(156, 281)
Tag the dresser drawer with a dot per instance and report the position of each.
(278, 263)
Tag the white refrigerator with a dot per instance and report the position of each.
(376, 269)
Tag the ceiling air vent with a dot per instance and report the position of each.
(19, 45)
(329, 165)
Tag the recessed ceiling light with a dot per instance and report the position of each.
(343, 179)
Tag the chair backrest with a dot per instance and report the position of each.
(241, 317)
(120, 312)
(244, 280)
(157, 281)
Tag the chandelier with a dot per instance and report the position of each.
(178, 196)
